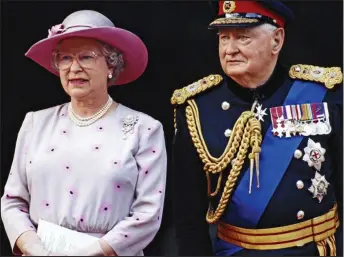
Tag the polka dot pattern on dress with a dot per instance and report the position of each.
(52, 149)
(44, 204)
(96, 147)
(81, 219)
(72, 192)
(118, 187)
(67, 166)
(105, 208)
(100, 128)
(115, 163)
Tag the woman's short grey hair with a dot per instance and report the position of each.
(114, 58)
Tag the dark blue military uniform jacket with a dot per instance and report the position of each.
(287, 201)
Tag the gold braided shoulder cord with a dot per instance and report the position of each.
(246, 133)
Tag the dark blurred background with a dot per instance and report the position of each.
(181, 50)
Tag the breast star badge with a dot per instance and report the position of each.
(314, 154)
(319, 186)
(260, 113)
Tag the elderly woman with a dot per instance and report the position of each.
(91, 165)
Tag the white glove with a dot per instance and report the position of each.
(30, 245)
(93, 249)
(36, 248)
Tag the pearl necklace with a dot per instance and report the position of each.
(83, 122)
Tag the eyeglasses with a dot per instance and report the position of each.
(63, 60)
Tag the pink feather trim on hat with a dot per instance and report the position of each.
(57, 29)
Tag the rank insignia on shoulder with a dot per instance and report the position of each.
(300, 119)
(329, 76)
(181, 95)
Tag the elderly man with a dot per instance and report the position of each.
(258, 149)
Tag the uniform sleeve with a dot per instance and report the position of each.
(16, 198)
(138, 229)
(336, 145)
(189, 194)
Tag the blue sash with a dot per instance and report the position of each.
(246, 209)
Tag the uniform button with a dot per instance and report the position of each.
(299, 184)
(300, 215)
(228, 132)
(225, 106)
(297, 154)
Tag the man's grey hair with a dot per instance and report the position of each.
(268, 27)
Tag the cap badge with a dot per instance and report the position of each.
(228, 6)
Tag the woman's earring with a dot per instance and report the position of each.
(110, 76)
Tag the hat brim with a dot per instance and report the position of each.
(135, 54)
(234, 23)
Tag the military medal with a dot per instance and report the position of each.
(319, 186)
(314, 154)
(278, 127)
(300, 119)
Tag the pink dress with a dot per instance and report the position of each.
(107, 179)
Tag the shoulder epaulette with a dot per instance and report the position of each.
(329, 76)
(181, 95)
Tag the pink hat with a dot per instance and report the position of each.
(92, 24)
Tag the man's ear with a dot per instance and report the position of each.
(277, 40)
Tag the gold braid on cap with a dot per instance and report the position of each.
(246, 134)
